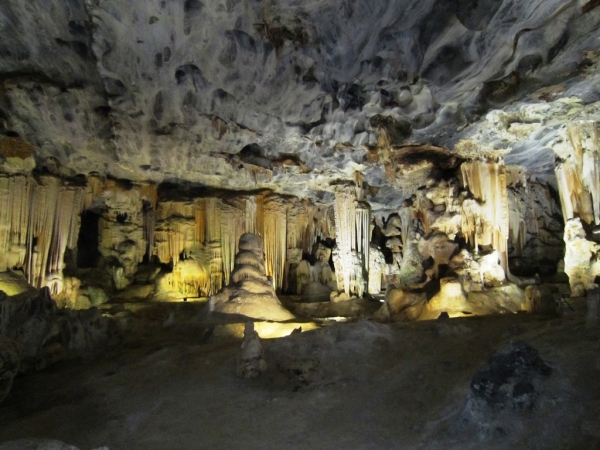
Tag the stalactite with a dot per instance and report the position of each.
(200, 220)
(578, 174)
(95, 187)
(213, 220)
(260, 214)
(275, 238)
(232, 227)
(149, 230)
(65, 232)
(486, 221)
(215, 266)
(345, 217)
(148, 192)
(250, 215)
(15, 193)
(363, 232)
(41, 215)
(175, 230)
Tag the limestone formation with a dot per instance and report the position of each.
(38, 222)
(581, 258)
(298, 123)
(251, 357)
(250, 292)
(47, 334)
(402, 304)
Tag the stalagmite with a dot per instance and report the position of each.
(250, 292)
(250, 360)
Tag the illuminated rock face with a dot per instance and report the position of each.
(175, 90)
(39, 220)
(309, 123)
(250, 292)
(581, 258)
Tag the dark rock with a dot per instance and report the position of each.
(508, 380)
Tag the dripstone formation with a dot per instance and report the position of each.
(250, 292)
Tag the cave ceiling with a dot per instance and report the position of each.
(287, 94)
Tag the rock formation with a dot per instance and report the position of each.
(251, 357)
(301, 125)
(250, 293)
(47, 334)
(510, 382)
(10, 359)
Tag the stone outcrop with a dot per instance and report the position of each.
(10, 359)
(46, 333)
(250, 292)
(38, 444)
(515, 364)
(251, 357)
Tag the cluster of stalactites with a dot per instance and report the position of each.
(353, 235)
(485, 217)
(209, 229)
(578, 174)
(131, 205)
(39, 220)
(530, 206)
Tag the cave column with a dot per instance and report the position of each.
(578, 179)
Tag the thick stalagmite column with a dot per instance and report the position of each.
(578, 179)
(353, 235)
(345, 217)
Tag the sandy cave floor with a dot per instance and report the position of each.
(361, 385)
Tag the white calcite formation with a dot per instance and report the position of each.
(582, 264)
(250, 293)
(39, 220)
(352, 225)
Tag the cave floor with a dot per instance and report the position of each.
(360, 385)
